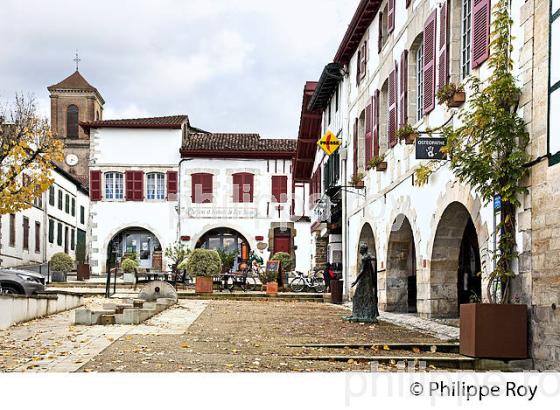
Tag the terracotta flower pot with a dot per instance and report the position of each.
(204, 284)
(359, 185)
(382, 166)
(494, 331)
(457, 100)
(272, 288)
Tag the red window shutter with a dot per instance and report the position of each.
(375, 123)
(279, 188)
(393, 108)
(207, 188)
(95, 185)
(429, 63)
(129, 185)
(380, 33)
(202, 188)
(390, 16)
(369, 135)
(480, 32)
(172, 182)
(355, 144)
(403, 99)
(443, 57)
(243, 187)
(138, 186)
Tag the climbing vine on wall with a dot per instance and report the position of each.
(488, 151)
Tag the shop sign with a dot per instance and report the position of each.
(329, 143)
(430, 148)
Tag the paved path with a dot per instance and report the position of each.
(53, 344)
(413, 322)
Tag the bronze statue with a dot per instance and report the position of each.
(364, 302)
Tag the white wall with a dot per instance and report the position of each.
(252, 219)
(148, 150)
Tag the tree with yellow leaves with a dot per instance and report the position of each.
(27, 151)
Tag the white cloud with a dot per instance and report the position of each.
(236, 65)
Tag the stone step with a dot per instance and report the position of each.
(403, 360)
(445, 347)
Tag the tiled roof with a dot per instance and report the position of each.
(75, 82)
(229, 144)
(238, 142)
(173, 122)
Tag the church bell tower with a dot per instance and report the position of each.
(74, 100)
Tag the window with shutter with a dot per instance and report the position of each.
(243, 187)
(95, 185)
(480, 32)
(392, 126)
(355, 146)
(443, 55)
(26, 233)
(202, 188)
(37, 237)
(369, 135)
(403, 100)
(375, 123)
(429, 63)
(466, 37)
(134, 185)
(172, 184)
(280, 188)
(390, 16)
(12, 238)
(380, 39)
(155, 186)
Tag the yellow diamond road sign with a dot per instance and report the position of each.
(329, 143)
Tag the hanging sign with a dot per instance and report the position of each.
(430, 148)
(497, 203)
(329, 143)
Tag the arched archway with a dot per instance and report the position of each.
(455, 262)
(227, 240)
(400, 282)
(140, 242)
(366, 235)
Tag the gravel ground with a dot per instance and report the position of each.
(242, 336)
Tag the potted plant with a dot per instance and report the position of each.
(60, 264)
(451, 94)
(286, 264)
(227, 258)
(204, 264)
(128, 267)
(378, 162)
(357, 180)
(407, 133)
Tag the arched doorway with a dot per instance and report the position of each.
(455, 266)
(136, 241)
(400, 283)
(227, 240)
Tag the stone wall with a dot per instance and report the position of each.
(544, 284)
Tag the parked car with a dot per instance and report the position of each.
(21, 282)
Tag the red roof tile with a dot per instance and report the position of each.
(172, 122)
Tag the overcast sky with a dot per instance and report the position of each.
(231, 65)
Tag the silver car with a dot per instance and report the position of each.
(21, 282)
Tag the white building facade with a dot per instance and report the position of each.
(133, 189)
(56, 222)
(431, 241)
(237, 193)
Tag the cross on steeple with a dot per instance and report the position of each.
(77, 60)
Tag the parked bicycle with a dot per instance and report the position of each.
(312, 281)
